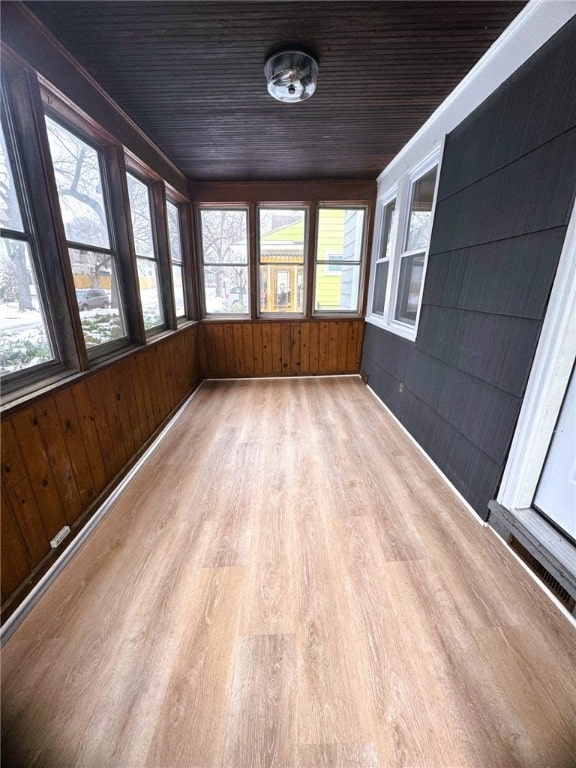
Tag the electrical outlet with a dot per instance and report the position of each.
(60, 536)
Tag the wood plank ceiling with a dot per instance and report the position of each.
(191, 75)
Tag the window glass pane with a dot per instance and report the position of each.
(98, 297)
(174, 232)
(282, 235)
(150, 293)
(226, 290)
(281, 288)
(24, 339)
(421, 211)
(9, 208)
(389, 227)
(224, 236)
(337, 291)
(340, 234)
(380, 288)
(140, 216)
(411, 272)
(178, 282)
(79, 182)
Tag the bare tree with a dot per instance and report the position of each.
(224, 242)
(15, 250)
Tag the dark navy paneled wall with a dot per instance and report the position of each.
(506, 191)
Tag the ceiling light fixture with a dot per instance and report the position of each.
(291, 76)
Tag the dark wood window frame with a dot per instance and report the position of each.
(312, 207)
(28, 97)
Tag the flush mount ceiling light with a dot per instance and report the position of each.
(291, 76)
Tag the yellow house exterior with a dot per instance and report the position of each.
(282, 265)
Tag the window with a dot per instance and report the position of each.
(144, 246)
(79, 181)
(282, 235)
(401, 249)
(384, 253)
(25, 340)
(339, 253)
(175, 246)
(417, 236)
(224, 237)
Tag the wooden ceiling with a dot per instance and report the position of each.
(191, 75)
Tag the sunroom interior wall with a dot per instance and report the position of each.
(506, 190)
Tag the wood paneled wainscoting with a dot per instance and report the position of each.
(281, 348)
(65, 452)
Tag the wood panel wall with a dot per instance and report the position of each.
(506, 192)
(64, 453)
(289, 348)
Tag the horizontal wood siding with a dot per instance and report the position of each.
(281, 348)
(60, 454)
(506, 192)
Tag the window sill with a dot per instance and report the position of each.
(25, 396)
(407, 332)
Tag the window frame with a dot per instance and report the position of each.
(28, 97)
(170, 199)
(135, 170)
(83, 132)
(281, 206)
(31, 374)
(401, 190)
(361, 261)
(202, 264)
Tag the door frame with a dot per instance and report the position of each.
(547, 384)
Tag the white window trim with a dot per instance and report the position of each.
(401, 191)
(546, 387)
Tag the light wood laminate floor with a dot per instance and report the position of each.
(288, 582)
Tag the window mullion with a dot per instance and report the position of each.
(126, 257)
(310, 259)
(403, 204)
(44, 212)
(253, 271)
(160, 233)
(189, 261)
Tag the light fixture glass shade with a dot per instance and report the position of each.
(291, 76)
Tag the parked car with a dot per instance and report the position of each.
(92, 298)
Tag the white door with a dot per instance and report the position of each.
(556, 492)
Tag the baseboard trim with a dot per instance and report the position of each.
(19, 614)
(431, 461)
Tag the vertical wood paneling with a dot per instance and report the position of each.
(305, 348)
(296, 337)
(35, 464)
(89, 432)
(313, 347)
(60, 453)
(276, 349)
(323, 343)
(18, 490)
(248, 348)
(266, 347)
(14, 563)
(281, 348)
(75, 446)
(257, 349)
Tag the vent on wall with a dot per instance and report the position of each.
(536, 567)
